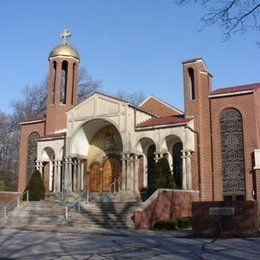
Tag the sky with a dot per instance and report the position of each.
(130, 45)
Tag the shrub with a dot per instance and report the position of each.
(2, 185)
(166, 224)
(161, 177)
(184, 222)
(173, 224)
(35, 187)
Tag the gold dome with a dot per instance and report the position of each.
(64, 50)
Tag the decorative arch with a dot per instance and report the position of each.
(31, 153)
(147, 147)
(174, 145)
(48, 157)
(232, 153)
(83, 134)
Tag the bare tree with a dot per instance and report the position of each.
(233, 16)
(134, 98)
(32, 104)
(86, 84)
(33, 101)
(8, 154)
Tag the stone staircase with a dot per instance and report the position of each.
(105, 211)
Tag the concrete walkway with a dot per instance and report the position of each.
(122, 244)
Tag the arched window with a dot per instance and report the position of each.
(73, 83)
(31, 153)
(53, 83)
(177, 163)
(150, 161)
(232, 151)
(63, 85)
(191, 83)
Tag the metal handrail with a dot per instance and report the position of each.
(75, 203)
(115, 185)
(65, 191)
(15, 203)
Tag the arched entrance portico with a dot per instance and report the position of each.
(99, 141)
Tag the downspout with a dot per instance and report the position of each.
(211, 152)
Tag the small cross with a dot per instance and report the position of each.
(66, 34)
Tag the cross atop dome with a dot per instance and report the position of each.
(65, 35)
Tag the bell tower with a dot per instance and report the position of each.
(62, 84)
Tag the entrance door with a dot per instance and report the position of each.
(95, 178)
(111, 171)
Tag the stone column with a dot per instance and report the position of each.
(74, 183)
(68, 174)
(82, 175)
(57, 176)
(55, 170)
(78, 174)
(51, 175)
(136, 172)
(123, 178)
(129, 177)
(184, 172)
(188, 170)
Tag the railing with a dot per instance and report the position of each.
(76, 203)
(9, 207)
(115, 185)
(68, 206)
(65, 191)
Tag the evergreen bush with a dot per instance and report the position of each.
(184, 222)
(161, 177)
(36, 187)
(171, 224)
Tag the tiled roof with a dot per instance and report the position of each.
(165, 120)
(236, 89)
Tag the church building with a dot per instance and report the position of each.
(106, 143)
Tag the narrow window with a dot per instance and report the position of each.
(63, 85)
(73, 83)
(191, 83)
(53, 83)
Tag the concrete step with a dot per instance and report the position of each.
(48, 214)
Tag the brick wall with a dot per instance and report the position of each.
(158, 108)
(245, 105)
(26, 130)
(7, 196)
(165, 204)
(244, 221)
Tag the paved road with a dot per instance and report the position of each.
(124, 245)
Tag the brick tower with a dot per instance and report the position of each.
(197, 87)
(62, 85)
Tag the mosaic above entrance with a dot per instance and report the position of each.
(106, 141)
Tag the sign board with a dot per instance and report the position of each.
(222, 211)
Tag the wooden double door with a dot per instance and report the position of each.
(101, 176)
